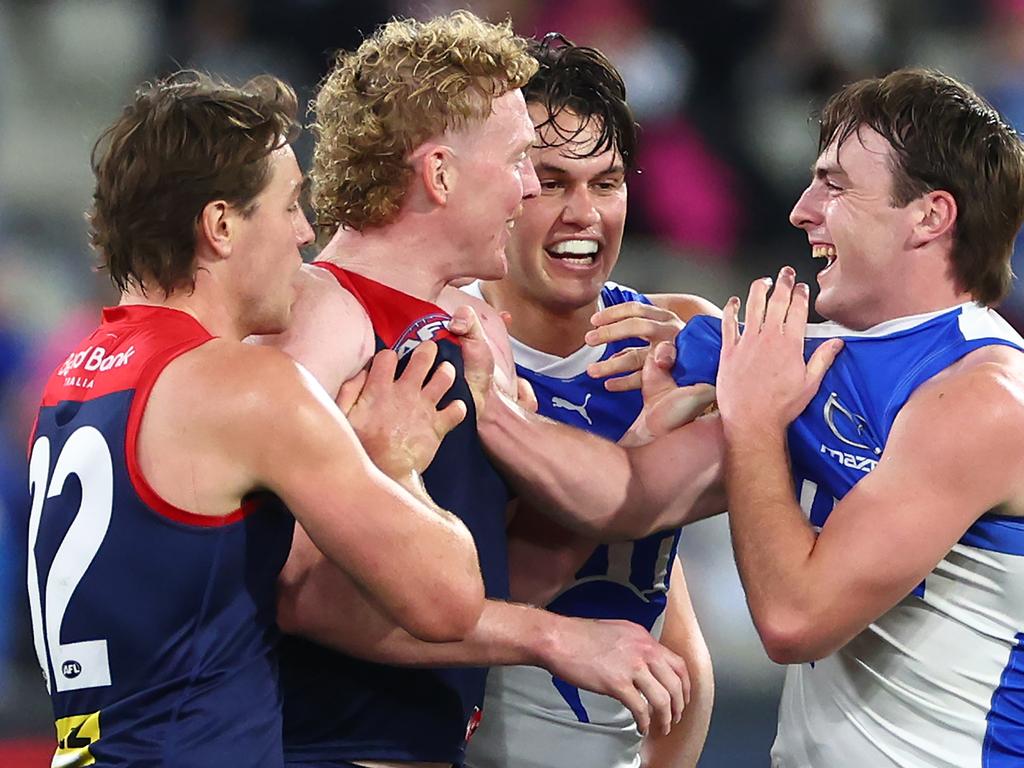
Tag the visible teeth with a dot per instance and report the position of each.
(511, 224)
(575, 247)
(824, 252)
(585, 260)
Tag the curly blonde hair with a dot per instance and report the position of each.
(407, 82)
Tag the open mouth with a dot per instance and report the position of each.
(824, 251)
(577, 253)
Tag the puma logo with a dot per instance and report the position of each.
(561, 402)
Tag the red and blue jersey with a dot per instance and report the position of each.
(338, 708)
(154, 627)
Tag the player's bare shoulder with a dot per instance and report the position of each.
(330, 332)
(494, 327)
(976, 406)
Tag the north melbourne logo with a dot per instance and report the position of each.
(851, 429)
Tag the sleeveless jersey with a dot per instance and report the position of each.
(532, 716)
(338, 708)
(938, 680)
(154, 627)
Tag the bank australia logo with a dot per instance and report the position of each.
(851, 429)
(427, 328)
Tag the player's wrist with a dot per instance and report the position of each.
(752, 431)
(547, 644)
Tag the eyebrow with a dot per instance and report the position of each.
(821, 170)
(613, 170)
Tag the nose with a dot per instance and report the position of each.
(807, 212)
(579, 207)
(531, 184)
(303, 231)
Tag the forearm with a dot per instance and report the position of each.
(682, 746)
(623, 493)
(323, 605)
(772, 539)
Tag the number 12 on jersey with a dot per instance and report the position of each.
(82, 664)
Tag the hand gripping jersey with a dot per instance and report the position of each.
(938, 680)
(535, 720)
(338, 708)
(154, 627)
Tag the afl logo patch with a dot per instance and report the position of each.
(427, 328)
(71, 669)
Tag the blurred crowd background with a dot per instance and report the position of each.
(724, 91)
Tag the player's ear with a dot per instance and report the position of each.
(436, 171)
(215, 227)
(935, 216)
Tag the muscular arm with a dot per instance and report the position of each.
(952, 454)
(616, 658)
(682, 747)
(624, 493)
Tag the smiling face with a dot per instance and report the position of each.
(493, 176)
(849, 219)
(567, 240)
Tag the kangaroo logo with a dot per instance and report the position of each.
(839, 417)
(561, 402)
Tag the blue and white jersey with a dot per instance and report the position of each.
(530, 716)
(938, 680)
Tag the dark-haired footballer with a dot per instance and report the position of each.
(561, 253)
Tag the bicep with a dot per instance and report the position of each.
(941, 471)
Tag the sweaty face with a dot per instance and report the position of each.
(567, 241)
(493, 175)
(850, 222)
(267, 247)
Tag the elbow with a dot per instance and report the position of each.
(793, 640)
(448, 614)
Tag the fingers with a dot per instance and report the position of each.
(420, 361)
(449, 417)
(350, 391)
(628, 309)
(635, 702)
(821, 361)
(757, 302)
(730, 324)
(796, 318)
(465, 322)
(625, 383)
(624, 361)
(634, 328)
(778, 304)
(656, 380)
(659, 700)
(382, 369)
(440, 382)
(679, 407)
(670, 670)
(525, 395)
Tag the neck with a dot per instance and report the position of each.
(212, 311)
(554, 330)
(396, 255)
